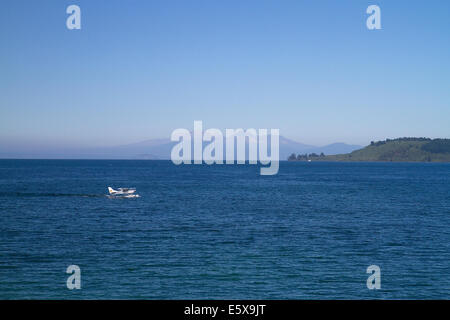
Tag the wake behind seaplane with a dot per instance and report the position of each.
(123, 192)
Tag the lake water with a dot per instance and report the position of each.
(224, 231)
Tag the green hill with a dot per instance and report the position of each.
(401, 149)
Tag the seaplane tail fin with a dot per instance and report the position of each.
(111, 190)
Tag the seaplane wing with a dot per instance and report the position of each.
(127, 190)
(121, 191)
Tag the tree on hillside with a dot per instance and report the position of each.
(437, 146)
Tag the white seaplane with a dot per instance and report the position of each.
(123, 192)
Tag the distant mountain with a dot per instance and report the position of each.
(335, 148)
(288, 146)
(157, 149)
(401, 149)
(161, 148)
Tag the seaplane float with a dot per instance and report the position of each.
(123, 193)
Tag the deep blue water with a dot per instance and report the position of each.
(224, 231)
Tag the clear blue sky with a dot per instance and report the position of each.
(139, 69)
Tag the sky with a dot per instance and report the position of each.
(138, 70)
